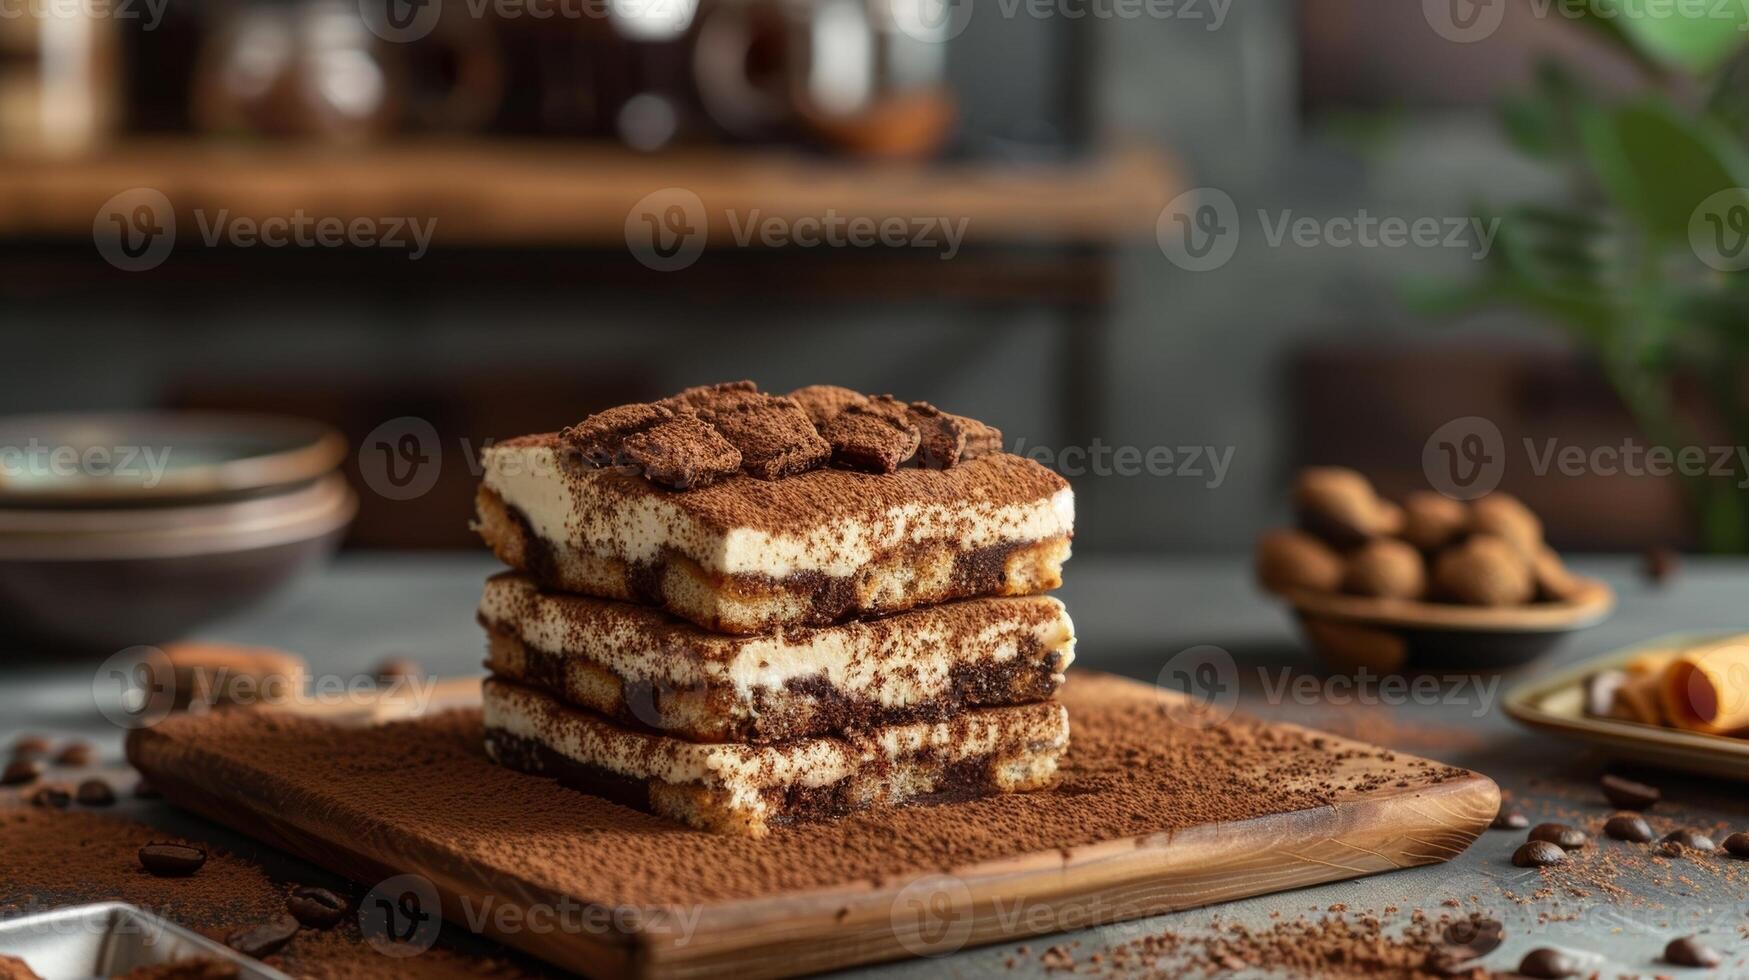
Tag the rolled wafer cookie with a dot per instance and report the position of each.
(1640, 697)
(1706, 688)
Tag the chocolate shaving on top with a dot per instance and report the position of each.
(874, 435)
(601, 437)
(981, 439)
(704, 434)
(775, 437)
(682, 453)
(673, 448)
(943, 436)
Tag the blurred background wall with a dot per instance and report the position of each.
(1282, 356)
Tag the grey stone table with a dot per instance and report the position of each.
(1132, 616)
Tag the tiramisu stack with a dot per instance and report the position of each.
(739, 610)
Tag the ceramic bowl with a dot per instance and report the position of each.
(151, 525)
(1390, 635)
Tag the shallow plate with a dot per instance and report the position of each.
(141, 459)
(1397, 634)
(1555, 703)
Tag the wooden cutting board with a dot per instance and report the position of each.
(1109, 844)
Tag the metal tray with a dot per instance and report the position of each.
(1555, 703)
(109, 938)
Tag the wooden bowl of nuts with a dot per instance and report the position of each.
(1429, 583)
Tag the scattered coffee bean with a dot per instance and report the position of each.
(1689, 951)
(1569, 838)
(398, 668)
(1510, 819)
(1738, 845)
(1548, 964)
(1600, 691)
(75, 754)
(1629, 827)
(53, 795)
(146, 791)
(167, 860)
(1489, 934)
(1660, 564)
(96, 792)
(1689, 838)
(1629, 795)
(263, 940)
(317, 908)
(1466, 940)
(21, 771)
(1538, 854)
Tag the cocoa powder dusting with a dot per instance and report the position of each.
(1131, 771)
(77, 856)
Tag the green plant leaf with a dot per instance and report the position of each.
(1695, 36)
(1532, 125)
(1606, 23)
(1543, 122)
(1728, 102)
(1658, 166)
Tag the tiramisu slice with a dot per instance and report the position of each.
(745, 512)
(646, 669)
(748, 789)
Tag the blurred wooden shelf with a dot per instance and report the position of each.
(547, 194)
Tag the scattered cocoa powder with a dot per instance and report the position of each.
(1334, 946)
(78, 856)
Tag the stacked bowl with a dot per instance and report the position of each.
(118, 530)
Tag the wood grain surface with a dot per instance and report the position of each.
(1386, 824)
